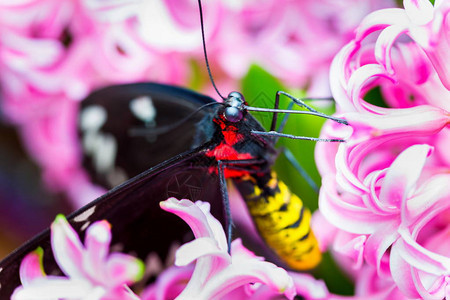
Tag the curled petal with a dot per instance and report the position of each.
(338, 76)
(419, 11)
(198, 248)
(351, 246)
(384, 44)
(169, 284)
(67, 247)
(402, 121)
(194, 216)
(430, 199)
(408, 279)
(238, 275)
(439, 56)
(359, 79)
(403, 174)
(421, 258)
(380, 19)
(123, 269)
(309, 287)
(97, 240)
(31, 267)
(378, 243)
(344, 215)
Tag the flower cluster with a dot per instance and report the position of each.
(92, 273)
(53, 53)
(385, 191)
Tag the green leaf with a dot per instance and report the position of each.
(260, 87)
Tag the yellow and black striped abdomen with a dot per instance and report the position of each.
(281, 219)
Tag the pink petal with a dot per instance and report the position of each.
(419, 12)
(357, 81)
(112, 11)
(439, 243)
(123, 269)
(346, 216)
(169, 284)
(421, 258)
(380, 19)
(201, 224)
(67, 248)
(429, 200)
(97, 240)
(323, 230)
(439, 56)
(411, 281)
(351, 246)
(384, 44)
(239, 252)
(378, 243)
(401, 273)
(404, 121)
(403, 174)
(53, 288)
(240, 274)
(346, 177)
(163, 32)
(309, 287)
(198, 248)
(31, 267)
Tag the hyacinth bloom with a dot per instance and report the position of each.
(52, 54)
(385, 191)
(91, 272)
(203, 267)
(216, 272)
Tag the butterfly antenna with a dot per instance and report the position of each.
(204, 50)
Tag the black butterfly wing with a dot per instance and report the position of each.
(139, 225)
(122, 128)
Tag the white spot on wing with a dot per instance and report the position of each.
(85, 215)
(102, 147)
(104, 153)
(92, 118)
(85, 225)
(143, 109)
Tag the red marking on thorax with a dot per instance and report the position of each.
(225, 150)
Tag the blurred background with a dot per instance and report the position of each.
(53, 53)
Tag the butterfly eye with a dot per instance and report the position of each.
(234, 107)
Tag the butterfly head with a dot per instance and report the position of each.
(234, 107)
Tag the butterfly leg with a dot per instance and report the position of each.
(288, 153)
(235, 165)
(297, 166)
(300, 103)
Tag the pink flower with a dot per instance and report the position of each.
(91, 272)
(382, 190)
(52, 54)
(217, 272)
(294, 40)
(420, 262)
